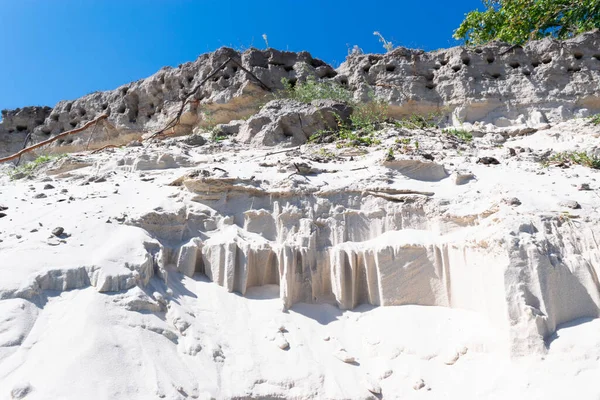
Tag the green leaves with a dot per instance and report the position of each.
(517, 21)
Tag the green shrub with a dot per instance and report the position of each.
(595, 119)
(312, 89)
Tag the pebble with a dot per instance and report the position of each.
(40, 196)
(59, 230)
(48, 186)
(570, 204)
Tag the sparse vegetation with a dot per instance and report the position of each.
(568, 158)
(388, 46)
(417, 121)
(312, 89)
(595, 119)
(459, 133)
(389, 156)
(27, 170)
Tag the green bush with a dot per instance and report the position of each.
(595, 119)
(312, 89)
(517, 21)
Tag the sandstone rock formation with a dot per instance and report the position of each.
(494, 85)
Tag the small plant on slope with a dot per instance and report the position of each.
(388, 46)
(459, 133)
(27, 170)
(595, 119)
(575, 157)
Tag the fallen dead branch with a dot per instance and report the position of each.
(170, 125)
(53, 139)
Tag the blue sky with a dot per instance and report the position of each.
(52, 50)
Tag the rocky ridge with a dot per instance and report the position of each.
(482, 88)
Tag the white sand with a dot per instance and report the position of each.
(108, 312)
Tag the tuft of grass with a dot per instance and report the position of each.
(459, 133)
(595, 119)
(312, 89)
(574, 157)
(28, 170)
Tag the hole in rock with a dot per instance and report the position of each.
(330, 74)
(456, 68)
(437, 66)
(535, 64)
(514, 64)
(104, 106)
(547, 60)
(54, 117)
(526, 72)
(490, 59)
(190, 79)
(344, 81)
(573, 69)
(443, 62)
(121, 109)
(292, 82)
(21, 128)
(596, 56)
(496, 75)
(68, 107)
(226, 76)
(288, 68)
(466, 60)
(316, 63)
(73, 124)
(429, 76)
(478, 51)
(366, 69)
(235, 69)
(124, 91)
(578, 55)
(149, 115)
(82, 112)
(390, 68)
(430, 85)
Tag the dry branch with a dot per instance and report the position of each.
(55, 138)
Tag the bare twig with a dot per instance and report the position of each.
(91, 136)
(55, 138)
(185, 99)
(108, 146)
(22, 147)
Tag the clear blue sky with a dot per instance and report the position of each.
(52, 50)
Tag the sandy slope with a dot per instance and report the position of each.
(106, 311)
